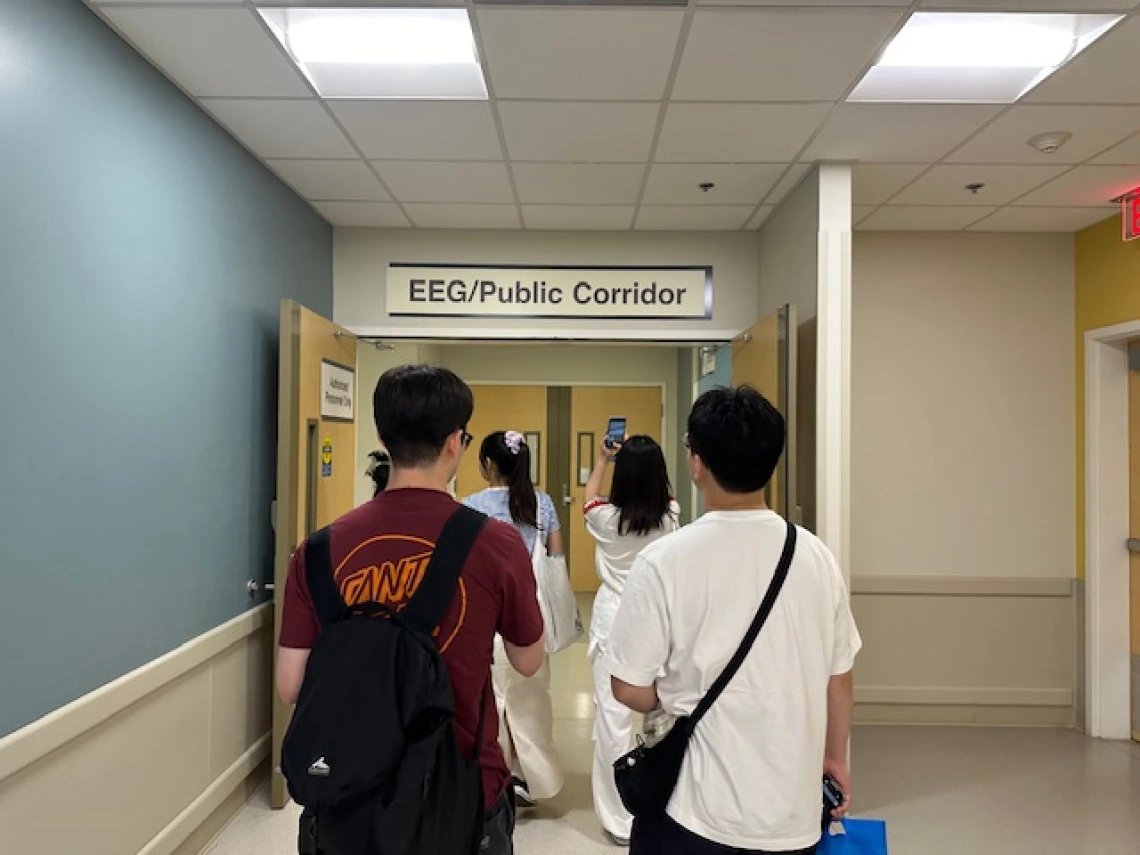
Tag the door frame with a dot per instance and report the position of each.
(1107, 644)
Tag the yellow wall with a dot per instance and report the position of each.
(1108, 292)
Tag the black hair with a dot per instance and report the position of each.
(641, 491)
(379, 470)
(739, 436)
(417, 407)
(514, 466)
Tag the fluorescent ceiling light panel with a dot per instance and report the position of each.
(977, 58)
(383, 53)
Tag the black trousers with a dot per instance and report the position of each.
(663, 836)
(498, 829)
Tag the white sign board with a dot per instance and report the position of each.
(505, 291)
(338, 392)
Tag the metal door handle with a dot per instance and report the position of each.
(1134, 544)
(567, 499)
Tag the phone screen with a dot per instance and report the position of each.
(615, 433)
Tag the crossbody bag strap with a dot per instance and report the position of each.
(328, 605)
(430, 602)
(753, 631)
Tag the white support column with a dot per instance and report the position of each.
(833, 368)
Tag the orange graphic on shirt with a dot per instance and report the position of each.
(393, 583)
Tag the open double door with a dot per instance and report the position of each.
(316, 456)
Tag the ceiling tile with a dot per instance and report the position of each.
(1126, 153)
(946, 185)
(464, 216)
(282, 128)
(693, 218)
(719, 218)
(578, 183)
(761, 217)
(1032, 5)
(421, 130)
(339, 180)
(580, 54)
(1094, 129)
(578, 132)
(1087, 186)
(425, 181)
(900, 133)
(874, 183)
(779, 55)
(211, 52)
(380, 215)
(679, 183)
(737, 133)
(907, 218)
(1104, 74)
(792, 3)
(578, 217)
(860, 212)
(1041, 220)
(167, 2)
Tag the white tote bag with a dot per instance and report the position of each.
(556, 599)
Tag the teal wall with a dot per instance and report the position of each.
(143, 254)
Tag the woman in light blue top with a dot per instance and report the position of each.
(526, 711)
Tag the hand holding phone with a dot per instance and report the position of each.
(615, 433)
(834, 800)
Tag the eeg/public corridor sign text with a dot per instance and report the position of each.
(506, 291)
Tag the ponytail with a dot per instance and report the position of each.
(511, 456)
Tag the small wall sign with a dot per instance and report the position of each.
(338, 392)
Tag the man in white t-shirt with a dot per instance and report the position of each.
(752, 778)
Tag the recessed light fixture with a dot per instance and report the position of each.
(977, 58)
(383, 53)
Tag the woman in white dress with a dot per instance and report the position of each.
(640, 509)
(526, 712)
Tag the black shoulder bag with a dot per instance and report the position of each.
(647, 776)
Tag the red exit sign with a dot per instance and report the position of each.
(1131, 207)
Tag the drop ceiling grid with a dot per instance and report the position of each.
(546, 139)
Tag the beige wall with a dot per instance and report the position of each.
(789, 274)
(963, 419)
(962, 478)
(152, 763)
(553, 364)
(361, 258)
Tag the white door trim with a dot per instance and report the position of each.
(1107, 679)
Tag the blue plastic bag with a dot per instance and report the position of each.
(861, 837)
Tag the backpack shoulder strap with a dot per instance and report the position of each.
(323, 591)
(758, 622)
(429, 604)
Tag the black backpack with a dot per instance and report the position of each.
(371, 752)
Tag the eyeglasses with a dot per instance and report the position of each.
(467, 438)
(685, 440)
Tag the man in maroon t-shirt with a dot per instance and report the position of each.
(381, 550)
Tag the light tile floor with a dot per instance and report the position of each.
(943, 791)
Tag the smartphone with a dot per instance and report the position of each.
(833, 797)
(615, 432)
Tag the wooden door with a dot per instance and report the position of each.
(1134, 527)
(316, 459)
(762, 358)
(521, 408)
(590, 410)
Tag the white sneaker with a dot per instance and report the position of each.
(523, 797)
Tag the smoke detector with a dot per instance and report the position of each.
(1051, 142)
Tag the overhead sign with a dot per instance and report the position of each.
(509, 291)
(338, 392)
(1132, 216)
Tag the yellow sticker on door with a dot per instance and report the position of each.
(326, 457)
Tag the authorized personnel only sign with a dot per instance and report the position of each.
(621, 293)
